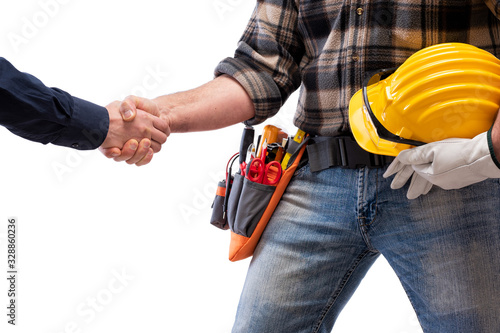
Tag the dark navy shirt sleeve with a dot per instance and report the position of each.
(38, 113)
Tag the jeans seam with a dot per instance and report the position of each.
(376, 200)
(362, 225)
(337, 292)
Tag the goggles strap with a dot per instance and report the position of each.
(383, 132)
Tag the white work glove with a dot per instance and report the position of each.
(449, 164)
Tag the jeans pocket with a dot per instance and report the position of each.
(301, 168)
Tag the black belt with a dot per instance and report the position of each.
(341, 151)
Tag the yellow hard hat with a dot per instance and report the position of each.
(444, 91)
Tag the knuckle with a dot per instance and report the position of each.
(130, 98)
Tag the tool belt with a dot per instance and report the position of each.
(244, 205)
(249, 204)
(341, 151)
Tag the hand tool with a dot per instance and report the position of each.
(246, 141)
(298, 138)
(260, 172)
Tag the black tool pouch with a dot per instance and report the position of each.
(247, 203)
(219, 218)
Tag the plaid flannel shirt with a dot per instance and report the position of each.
(325, 47)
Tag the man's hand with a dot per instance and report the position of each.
(133, 134)
(449, 164)
(219, 103)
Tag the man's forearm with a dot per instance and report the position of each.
(219, 103)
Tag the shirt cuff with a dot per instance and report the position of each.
(259, 85)
(88, 127)
(492, 151)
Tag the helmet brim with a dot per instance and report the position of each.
(364, 131)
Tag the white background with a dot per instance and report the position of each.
(83, 219)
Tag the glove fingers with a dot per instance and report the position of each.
(418, 186)
(427, 188)
(402, 177)
(393, 168)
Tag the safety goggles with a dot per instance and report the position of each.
(374, 77)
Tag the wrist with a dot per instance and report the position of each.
(87, 127)
(170, 111)
(112, 138)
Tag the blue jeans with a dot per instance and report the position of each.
(332, 225)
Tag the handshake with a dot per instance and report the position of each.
(137, 129)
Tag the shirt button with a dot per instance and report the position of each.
(355, 57)
(75, 145)
(359, 11)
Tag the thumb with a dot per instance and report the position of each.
(133, 103)
(128, 109)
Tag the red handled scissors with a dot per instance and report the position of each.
(259, 172)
